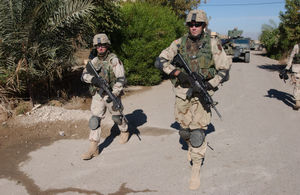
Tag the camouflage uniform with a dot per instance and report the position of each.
(111, 69)
(294, 62)
(206, 56)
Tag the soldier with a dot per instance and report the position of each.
(294, 62)
(111, 69)
(204, 55)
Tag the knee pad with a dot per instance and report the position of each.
(184, 133)
(94, 122)
(117, 119)
(197, 137)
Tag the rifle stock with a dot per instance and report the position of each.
(198, 83)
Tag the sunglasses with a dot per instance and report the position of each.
(197, 24)
(100, 45)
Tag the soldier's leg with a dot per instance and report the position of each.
(197, 156)
(184, 117)
(297, 90)
(120, 121)
(200, 120)
(98, 112)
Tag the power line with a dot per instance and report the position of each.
(242, 4)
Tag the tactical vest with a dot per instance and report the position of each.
(296, 59)
(198, 55)
(105, 69)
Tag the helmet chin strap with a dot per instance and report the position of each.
(195, 38)
(103, 55)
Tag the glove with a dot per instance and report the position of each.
(97, 82)
(108, 99)
(184, 80)
(283, 74)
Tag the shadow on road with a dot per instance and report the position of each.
(238, 60)
(286, 98)
(184, 146)
(272, 68)
(135, 119)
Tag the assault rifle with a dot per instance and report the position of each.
(198, 87)
(118, 106)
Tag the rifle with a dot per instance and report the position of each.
(91, 69)
(198, 85)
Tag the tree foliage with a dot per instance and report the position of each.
(289, 27)
(178, 6)
(37, 41)
(146, 31)
(106, 16)
(270, 37)
(280, 40)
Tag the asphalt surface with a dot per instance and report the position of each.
(254, 148)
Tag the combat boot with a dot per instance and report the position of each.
(297, 105)
(124, 135)
(195, 177)
(92, 152)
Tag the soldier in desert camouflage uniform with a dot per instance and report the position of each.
(294, 62)
(111, 69)
(204, 55)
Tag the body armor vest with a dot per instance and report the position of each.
(105, 70)
(198, 55)
(296, 59)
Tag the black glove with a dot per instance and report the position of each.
(97, 82)
(108, 100)
(283, 74)
(115, 107)
(184, 80)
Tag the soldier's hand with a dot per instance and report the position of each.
(283, 74)
(108, 99)
(97, 82)
(184, 80)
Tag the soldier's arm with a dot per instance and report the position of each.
(222, 62)
(119, 72)
(293, 53)
(166, 56)
(86, 77)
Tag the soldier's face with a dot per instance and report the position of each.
(101, 49)
(195, 28)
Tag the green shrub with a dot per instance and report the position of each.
(146, 31)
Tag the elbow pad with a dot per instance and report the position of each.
(159, 63)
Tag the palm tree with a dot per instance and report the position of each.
(37, 41)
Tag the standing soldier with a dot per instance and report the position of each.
(204, 55)
(111, 69)
(294, 62)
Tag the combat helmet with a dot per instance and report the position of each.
(101, 39)
(197, 16)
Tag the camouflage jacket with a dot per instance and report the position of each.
(220, 61)
(294, 59)
(111, 69)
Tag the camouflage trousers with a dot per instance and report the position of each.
(191, 114)
(296, 81)
(99, 107)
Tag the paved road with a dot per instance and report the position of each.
(255, 148)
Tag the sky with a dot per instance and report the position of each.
(246, 15)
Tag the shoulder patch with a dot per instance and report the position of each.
(177, 42)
